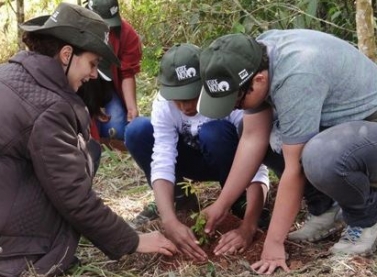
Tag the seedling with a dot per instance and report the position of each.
(198, 217)
(198, 227)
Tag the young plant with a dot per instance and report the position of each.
(198, 217)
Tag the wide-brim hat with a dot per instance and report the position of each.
(179, 75)
(228, 63)
(78, 27)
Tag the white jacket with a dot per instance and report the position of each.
(168, 123)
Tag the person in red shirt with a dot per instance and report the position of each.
(127, 46)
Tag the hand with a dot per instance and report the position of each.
(214, 215)
(184, 239)
(132, 114)
(235, 241)
(273, 256)
(155, 242)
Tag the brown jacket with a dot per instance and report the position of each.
(46, 199)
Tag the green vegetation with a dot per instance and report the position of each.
(161, 24)
(198, 217)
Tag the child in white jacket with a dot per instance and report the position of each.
(179, 142)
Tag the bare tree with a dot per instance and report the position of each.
(365, 28)
(20, 18)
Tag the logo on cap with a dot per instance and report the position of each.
(113, 10)
(215, 86)
(106, 40)
(54, 16)
(243, 74)
(183, 73)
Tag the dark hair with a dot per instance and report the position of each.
(96, 94)
(46, 44)
(265, 62)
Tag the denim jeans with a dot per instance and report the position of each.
(218, 142)
(317, 202)
(118, 121)
(341, 162)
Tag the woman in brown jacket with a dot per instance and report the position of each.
(47, 159)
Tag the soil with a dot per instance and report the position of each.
(299, 254)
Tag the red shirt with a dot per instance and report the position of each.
(127, 47)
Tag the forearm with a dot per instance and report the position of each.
(243, 169)
(164, 195)
(287, 205)
(129, 93)
(256, 197)
(251, 150)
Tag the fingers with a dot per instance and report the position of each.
(210, 226)
(231, 243)
(165, 251)
(192, 247)
(187, 243)
(269, 267)
(192, 250)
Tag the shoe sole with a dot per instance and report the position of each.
(367, 253)
(337, 227)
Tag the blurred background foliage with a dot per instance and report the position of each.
(162, 23)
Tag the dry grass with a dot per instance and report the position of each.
(123, 187)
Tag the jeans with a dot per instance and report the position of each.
(317, 202)
(342, 163)
(218, 142)
(118, 121)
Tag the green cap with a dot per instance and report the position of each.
(225, 66)
(78, 27)
(107, 9)
(179, 75)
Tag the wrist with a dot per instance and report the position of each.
(222, 204)
(169, 220)
(248, 227)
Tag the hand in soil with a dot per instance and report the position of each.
(214, 215)
(234, 241)
(155, 242)
(184, 239)
(273, 257)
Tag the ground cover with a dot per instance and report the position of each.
(123, 187)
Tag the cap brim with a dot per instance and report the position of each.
(103, 75)
(113, 21)
(185, 92)
(216, 107)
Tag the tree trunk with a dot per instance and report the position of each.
(20, 19)
(365, 28)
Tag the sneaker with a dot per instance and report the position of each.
(319, 227)
(149, 213)
(356, 240)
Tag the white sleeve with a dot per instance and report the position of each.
(165, 141)
(262, 176)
